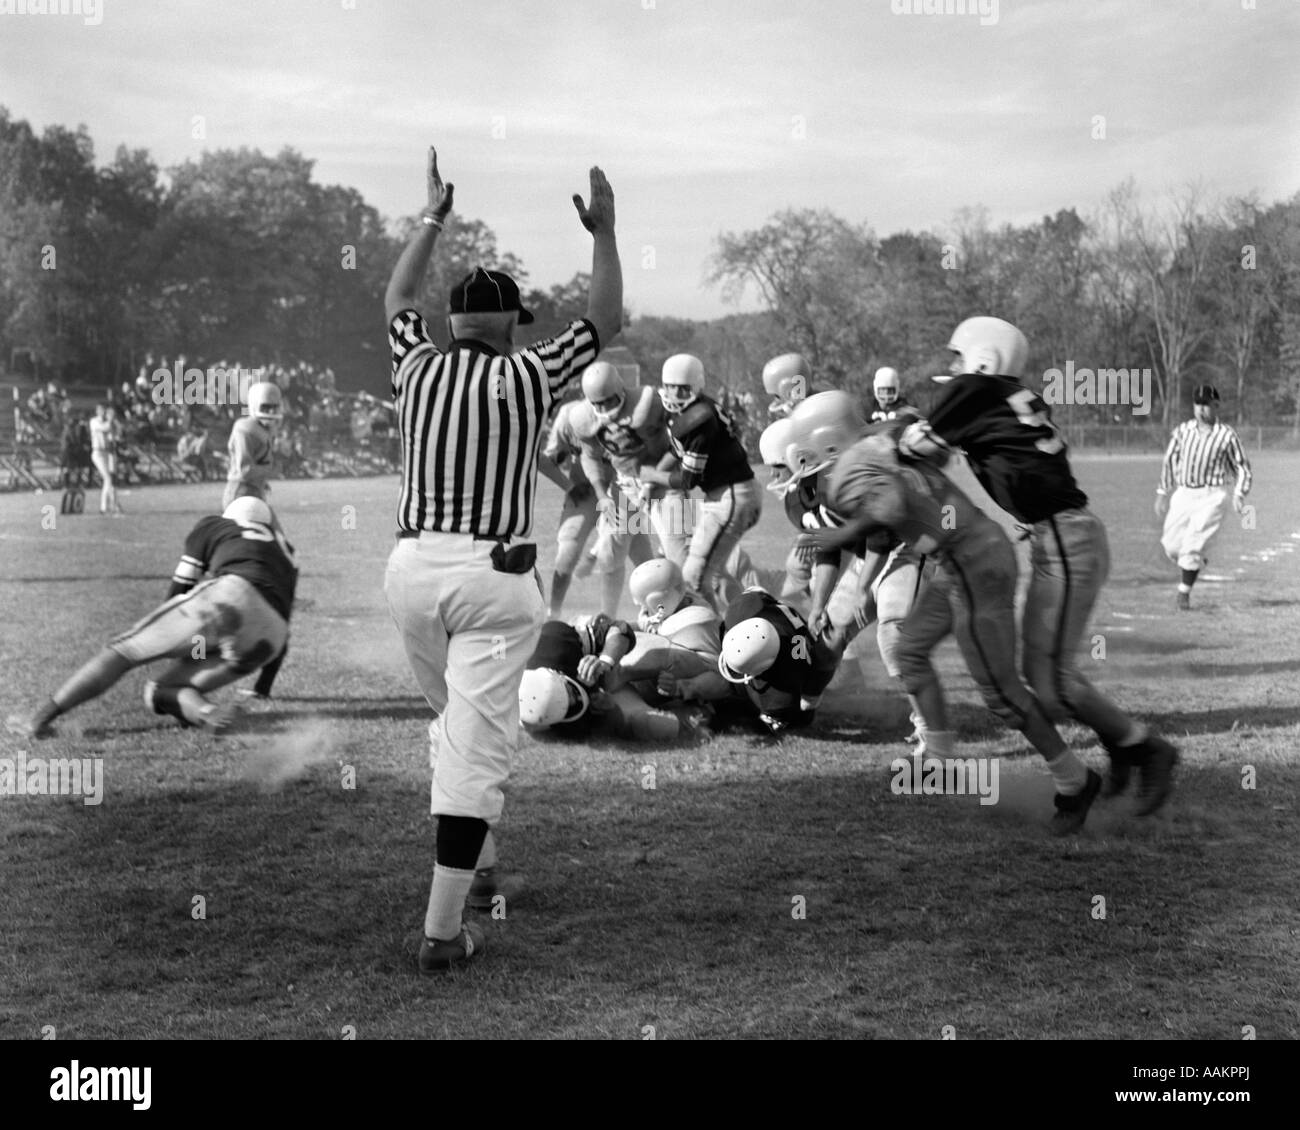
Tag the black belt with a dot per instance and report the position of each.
(502, 539)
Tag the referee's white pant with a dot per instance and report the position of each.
(468, 631)
(1194, 517)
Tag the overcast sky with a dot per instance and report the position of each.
(707, 115)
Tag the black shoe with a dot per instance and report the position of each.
(1072, 811)
(1184, 602)
(489, 885)
(436, 955)
(483, 890)
(1156, 773)
(1121, 768)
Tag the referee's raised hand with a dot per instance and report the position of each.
(439, 194)
(598, 216)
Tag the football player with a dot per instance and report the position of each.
(251, 444)
(218, 630)
(707, 451)
(562, 685)
(1019, 457)
(972, 595)
(687, 668)
(890, 403)
(578, 515)
(769, 649)
(786, 379)
(626, 434)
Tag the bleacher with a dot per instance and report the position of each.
(32, 461)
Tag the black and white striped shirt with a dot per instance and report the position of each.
(1204, 458)
(471, 421)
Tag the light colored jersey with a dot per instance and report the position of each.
(250, 451)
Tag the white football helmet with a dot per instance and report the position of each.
(989, 345)
(658, 589)
(773, 449)
(249, 510)
(824, 426)
(749, 649)
(265, 404)
(682, 381)
(601, 384)
(886, 387)
(786, 378)
(547, 697)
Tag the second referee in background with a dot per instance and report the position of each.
(462, 586)
(1202, 454)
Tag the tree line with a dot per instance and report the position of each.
(238, 256)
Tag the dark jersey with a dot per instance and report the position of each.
(803, 666)
(561, 644)
(707, 442)
(261, 556)
(807, 511)
(1015, 450)
(899, 410)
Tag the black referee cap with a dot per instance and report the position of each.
(1205, 394)
(487, 292)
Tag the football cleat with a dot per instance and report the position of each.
(437, 955)
(1072, 811)
(1155, 774)
(489, 884)
(1121, 768)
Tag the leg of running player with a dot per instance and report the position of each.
(984, 624)
(928, 621)
(896, 591)
(723, 521)
(576, 526)
(668, 518)
(1071, 561)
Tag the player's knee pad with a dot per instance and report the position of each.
(254, 658)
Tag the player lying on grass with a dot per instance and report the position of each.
(769, 650)
(218, 630)
(972, 594)
(571, 681)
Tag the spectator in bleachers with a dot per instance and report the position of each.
(192, 451)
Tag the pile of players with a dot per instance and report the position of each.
(883, 535)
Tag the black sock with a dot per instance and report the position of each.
(165, 701)
(1189, 577)
(459, 841)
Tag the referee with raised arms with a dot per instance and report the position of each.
(461, 582)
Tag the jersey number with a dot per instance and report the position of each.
(265, 533)
(1022, 404)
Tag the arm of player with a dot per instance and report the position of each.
(644, 411)
(821, 585)
(1166, 486)
(404, 284)
(550, 470)
(605, 298)
(1237, 459)
(919, 441)
(188, 573)
(619, 640)
(666, 473)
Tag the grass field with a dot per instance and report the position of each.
(758, 890)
